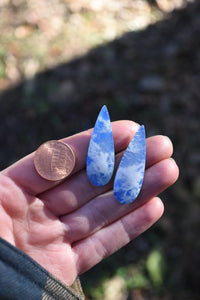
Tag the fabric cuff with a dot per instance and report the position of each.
(23, 278)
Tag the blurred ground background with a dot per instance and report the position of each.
(60, 61)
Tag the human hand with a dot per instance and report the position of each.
(70, 226)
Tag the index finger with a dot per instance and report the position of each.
(23, 172)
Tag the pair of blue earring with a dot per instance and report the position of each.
(101, 159)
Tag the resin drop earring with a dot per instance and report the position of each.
(100, 158)
(129, 177)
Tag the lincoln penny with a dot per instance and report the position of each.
(54, 160)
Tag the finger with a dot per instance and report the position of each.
(66, 197)
(24, 174)
(105, 209)
(98, 246)
(159, 147)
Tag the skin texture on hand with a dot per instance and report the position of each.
(68, 226)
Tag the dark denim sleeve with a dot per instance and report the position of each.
(21, 278)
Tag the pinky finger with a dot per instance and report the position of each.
(111, 238)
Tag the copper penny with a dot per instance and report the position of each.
(54, 160)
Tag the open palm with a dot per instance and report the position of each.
(70, 226)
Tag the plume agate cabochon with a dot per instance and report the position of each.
(100, 158)
(130, 173)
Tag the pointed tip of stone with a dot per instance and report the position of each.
(104, 108)
(104, 112)
(141, 131)
(142, 128)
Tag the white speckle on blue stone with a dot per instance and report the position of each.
(130, 173)
(100, 159)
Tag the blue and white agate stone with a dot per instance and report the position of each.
(130, 173)
(101, 154)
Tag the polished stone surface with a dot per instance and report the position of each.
(100, 159)
(130, 173)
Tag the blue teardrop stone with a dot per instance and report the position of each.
(130, 173)
(100, 159)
